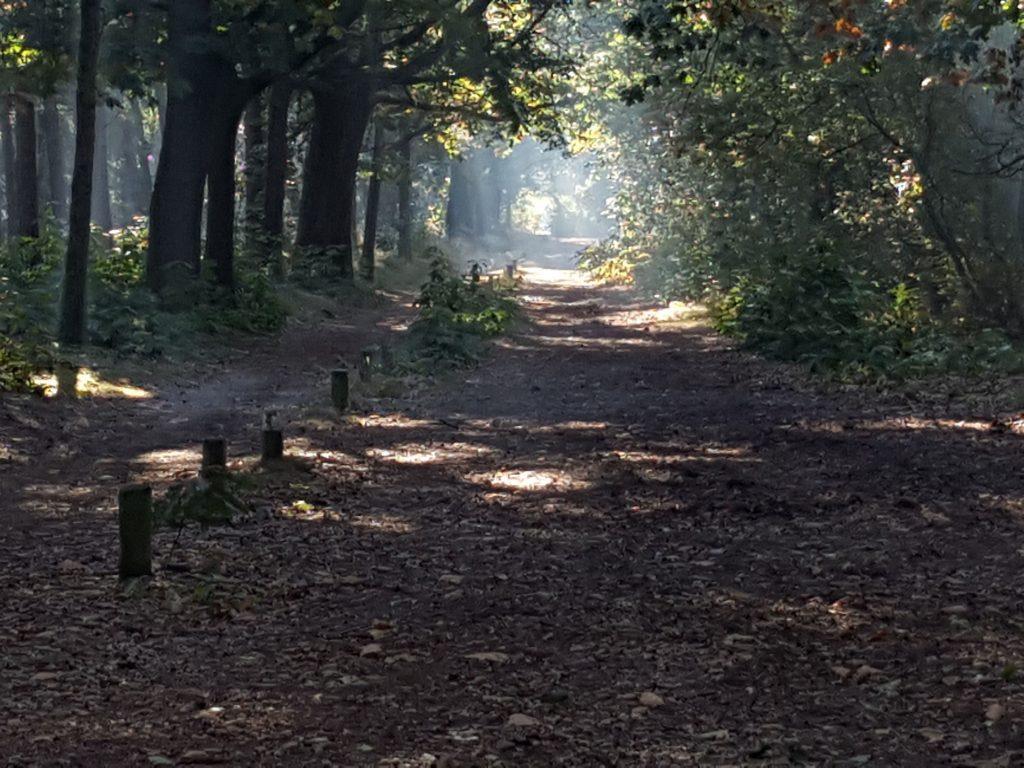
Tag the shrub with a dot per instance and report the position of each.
(833, 320)
(456, 315)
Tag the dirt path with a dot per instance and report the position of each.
(619, 542)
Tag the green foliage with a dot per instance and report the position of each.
(205, 501)
(252, 307)
(457, 316)
(823, 315)
(28, 286)
(318, 268)
(123, 313)
(16, 367)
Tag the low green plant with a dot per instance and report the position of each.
(457, 316)
(251, 307)
(123, 313)
(29, 281)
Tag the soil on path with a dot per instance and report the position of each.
(618, 542)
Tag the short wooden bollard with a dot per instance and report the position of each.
(67, 379)
(273, 445)
(339, 388)
(367, 361)
(215, 455)
(135, 523)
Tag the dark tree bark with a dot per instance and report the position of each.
(76, 268)
(220, 207)
(369, 255)
(142, 152)
(10, 177)
(405, 200)
(26, 169)
(255, 163)
(53, 142)
(276, 175)
(135, 180)
(461, 215)
(176, 211)
(341, 117)
(102, 213)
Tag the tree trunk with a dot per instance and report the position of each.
(255, 165)
(26, 170)
(329, 179)
(369, 255)
(276, 173)
(143, 149)
(73, 298)
(102, 214)
(10, 177)
(176, 211)
(136, 180)
(220, 207)
(53, 140)
(461, 218)
(405, 201)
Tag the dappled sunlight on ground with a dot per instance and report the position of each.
(648, 550)
(382, 523)
(529, 480)
(411, 453)
(168, 462)
(89, 383)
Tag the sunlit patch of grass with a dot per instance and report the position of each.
(88, 383)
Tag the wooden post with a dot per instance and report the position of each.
(67, 379)
(510, 271)
(215, 455)
(135, 523)
(387, 357)
(339, 388)
(367, 360)
(273, 445)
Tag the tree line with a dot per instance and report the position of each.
(321, 92)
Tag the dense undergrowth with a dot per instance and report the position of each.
(456, 315)
(813, 309)
(125, 317)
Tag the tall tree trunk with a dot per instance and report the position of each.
(144, 189)
(276, 173)
(326, 217)
(220, 206)
(26, 168)
(102, 213)
(461, 216)
(255, 166)
(176, 211)
(76, 268)
(405, 200)
(10, 176)
(132, 149)
(53, 141)
(369, 255)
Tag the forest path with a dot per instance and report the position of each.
(617, 542)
